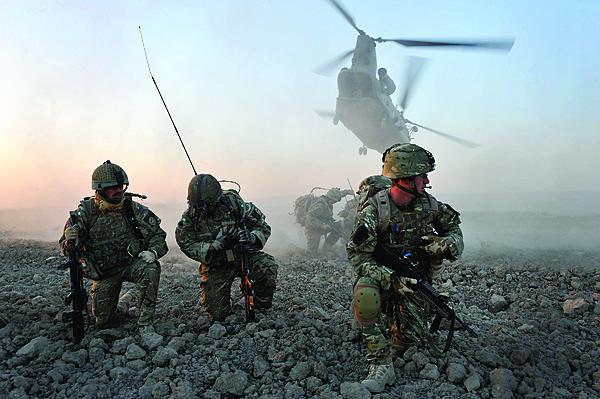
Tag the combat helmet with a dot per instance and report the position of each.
(335, 194)
(204, 190)
(406, 160)
(108, 175)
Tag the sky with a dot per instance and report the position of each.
(238, 79)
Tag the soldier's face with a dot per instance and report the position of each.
(114, 193)
(421, 183)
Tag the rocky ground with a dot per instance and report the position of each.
(537, 314)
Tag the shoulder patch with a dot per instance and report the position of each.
(360, 234)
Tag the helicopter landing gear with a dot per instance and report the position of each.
(362, 150)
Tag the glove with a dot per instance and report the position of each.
(435, 246)
(245, 236)
(148, 256)
(71, 233)
(402, 284)
(326, 228)
(224, 238)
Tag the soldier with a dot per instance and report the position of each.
(395, 220)
(119, 240)
(210, 232)
(320, 222)
(348, 217)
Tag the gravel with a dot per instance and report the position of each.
(536, 314)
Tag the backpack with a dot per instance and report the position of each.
(301, 206)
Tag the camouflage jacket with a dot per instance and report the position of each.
(319, 212)
(423, 216)
(195, 232)
(107, 239)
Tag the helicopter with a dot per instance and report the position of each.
(364, 105)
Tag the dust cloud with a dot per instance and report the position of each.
(528, 220)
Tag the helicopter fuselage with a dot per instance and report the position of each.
(363, 107)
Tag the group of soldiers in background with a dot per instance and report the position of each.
(315, 215)
(121, 240)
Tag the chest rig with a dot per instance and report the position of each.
(111, 238)
(400, 228)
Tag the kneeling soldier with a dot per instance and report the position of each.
(215, 229)
(119, 240)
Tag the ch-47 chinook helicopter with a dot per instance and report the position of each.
(364, 105)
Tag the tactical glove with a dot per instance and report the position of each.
(224, 238)
(245, 236)
(71, 233)
(435, 246)
(148, 256)
(402, 284)
(325, 228)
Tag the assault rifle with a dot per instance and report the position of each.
(77, 297)
(408, 266)
(246, 279)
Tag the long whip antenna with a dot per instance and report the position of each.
(164, 103)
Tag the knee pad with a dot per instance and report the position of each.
(366, 302)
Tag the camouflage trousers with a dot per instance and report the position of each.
(402, 323)
(105, 292)
(313, 239)
(217, 280)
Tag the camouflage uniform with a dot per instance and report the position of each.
(348, 217)
(399, 318)
(196, 231)
(320, 222)
(109, 255)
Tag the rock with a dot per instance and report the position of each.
(497, 303)
(312, 383)
(77, 358)
(160, 390)
(420, 360)
(597, 308)
(110, 334)
(211, 394)
(293, 391)
(164, 355)
(576, 283)
(488, 357)
(96, 355)
(575, 306)
(520, 356)
(354, 390)
(456, 373)
(18, 393)
(526, 328)
(39, 301)
(430, 372)
(120, 372)
(300, 371)
(136, 365)
(151, 340)
(217, 331)
(472, 382)
(232, 383)
(120, 346)
(134, 352)
(260, 366)
(503, 377)
(500, 392)
(34, 347)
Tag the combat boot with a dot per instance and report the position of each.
(379, 376)
(125, 302)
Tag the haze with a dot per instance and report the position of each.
(237, 78)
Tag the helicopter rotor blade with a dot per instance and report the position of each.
(413, 72)
(346, 15)
(327, 68)
(325, 114)
(503, 45)
(450, 137)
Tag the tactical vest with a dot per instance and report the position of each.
(109, 236)
(400, 228)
